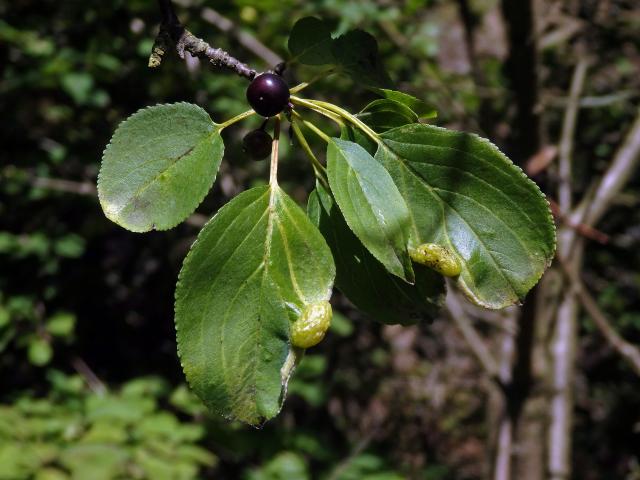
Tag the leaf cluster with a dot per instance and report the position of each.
(392, 187)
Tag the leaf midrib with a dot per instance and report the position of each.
(153, 180)
(122, 143)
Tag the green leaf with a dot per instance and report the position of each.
(95, 461)
(422, 109)
(371, 204)
(365, 281)
(61, 324)
(39, 352)
(160, 164)
(78, 85)
(384, 114)
(310, 42)
(284, 466)
(357, 53)
(466, 195)
(70, 246)
(252, 270)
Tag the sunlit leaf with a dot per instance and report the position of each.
(252, 270)
(467, 196)
(160, 164)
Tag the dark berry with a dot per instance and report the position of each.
(268, 94)
(257, 144)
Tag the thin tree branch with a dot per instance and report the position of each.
(502, 463)
(627, 350)
(473, 339)
(245, 39)
(617, 175)
(88, 188)
(95, 384)
(172, 31)
(580, 228)
(565, 149)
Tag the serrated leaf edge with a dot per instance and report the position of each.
(509, 164)
(294, 355)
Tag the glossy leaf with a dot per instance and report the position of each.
(422, 109)
(364, 280)
(310, 42)
(371, 204)
(159, 166)
(467, 196)
(383, 114)
(253, 269)
(357, 53)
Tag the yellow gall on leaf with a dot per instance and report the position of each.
(312, 324)
(436, 257)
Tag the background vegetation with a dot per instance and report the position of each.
(90, 384)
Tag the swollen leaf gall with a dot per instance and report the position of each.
(312, 324)
(437, 258)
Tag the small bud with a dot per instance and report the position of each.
(310, 327)
(437, 258)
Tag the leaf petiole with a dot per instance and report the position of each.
(317, 131)
(319, 169)
(336, 113)
(235, 119)
(273, 170)
(348, 116)
(322, 111)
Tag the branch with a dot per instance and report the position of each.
(617, 175)
(172, 31)
(568, 132)
(245, 39)
(627, 350)
(580, 228)
(95, 384)
(473, 339)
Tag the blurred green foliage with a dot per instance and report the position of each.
(77, 433)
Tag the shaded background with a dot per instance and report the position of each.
(90, 384)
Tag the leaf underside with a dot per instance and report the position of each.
(464, 194)
(365, 281)
(253, 268)
(158, 167)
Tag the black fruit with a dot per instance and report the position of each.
(257, 144)
(268, 94)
